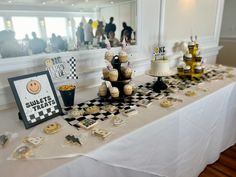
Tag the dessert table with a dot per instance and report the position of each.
(176, 142)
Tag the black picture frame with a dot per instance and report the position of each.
(48, 105)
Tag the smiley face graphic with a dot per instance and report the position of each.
(49, 62)
(33, 87)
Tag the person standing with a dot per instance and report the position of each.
(110, 27)
(37, 45)
(80, 35)
(126, 33)
(88, 33)
(100, 32)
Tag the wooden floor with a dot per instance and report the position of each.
(225, 166)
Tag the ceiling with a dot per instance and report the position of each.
(73, 4)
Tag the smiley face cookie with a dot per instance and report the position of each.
(48, 62)
(166, 103)
(52, 128)
(33, 87)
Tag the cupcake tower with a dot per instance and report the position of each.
(191, 66)
(117, 76)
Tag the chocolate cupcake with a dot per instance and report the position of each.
(188, 57)
(187, 69)
(180, 67)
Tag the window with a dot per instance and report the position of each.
(2, 26)
(79, 19)
(55, 25)
(25, 25)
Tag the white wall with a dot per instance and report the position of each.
(124, 12)
(229, 22)
(228, 35)
(188, 17)
(154, 16)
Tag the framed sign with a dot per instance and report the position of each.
(35, 97)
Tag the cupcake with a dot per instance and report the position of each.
(198, 69)
(113, 75)
(191, 45)
(123, 57)
(198, 58)
(128, 89)
(187, 57)
(105, 73)
(109, 55)
(103, 90)
(127, 73)
(180, 67)
(114, 91)
(187, 69)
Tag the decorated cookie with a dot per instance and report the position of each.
(72, 139)
(101, 132)
(23, 152)
(33, 87)
(190, 93)
(75, 112)
(34, 141)
(166, 103)
(92, 110)
(52, 128)
(110, 108)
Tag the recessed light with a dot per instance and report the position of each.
(86, 0)
(72, 5)
(112, 2)
(44, 3)
(10, 2)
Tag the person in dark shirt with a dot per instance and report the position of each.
(37, 45)
(9, 46)
(80, 34)
(126, 33)
(110, 27)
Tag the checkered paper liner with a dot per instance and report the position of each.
(132, 101)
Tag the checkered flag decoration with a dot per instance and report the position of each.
(72, 74)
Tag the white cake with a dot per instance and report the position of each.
(160, 67)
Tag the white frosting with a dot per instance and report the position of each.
(187, 67)
(109, 53)
(122, 53)
(114, 92)
(181, 65)
(128, 89)
(198, 64)
(198, 67)
(159, 67)
(191, 44)
(188, 55)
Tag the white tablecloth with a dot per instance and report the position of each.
(179, 144)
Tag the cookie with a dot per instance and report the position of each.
(92, 110)
(34, 141)
(23, 152)
(52, 128)
(166, 103)
(190, 93)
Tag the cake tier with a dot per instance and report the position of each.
(160, 67)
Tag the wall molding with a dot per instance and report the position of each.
(92, 61)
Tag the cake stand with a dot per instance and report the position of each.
(160, 84)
